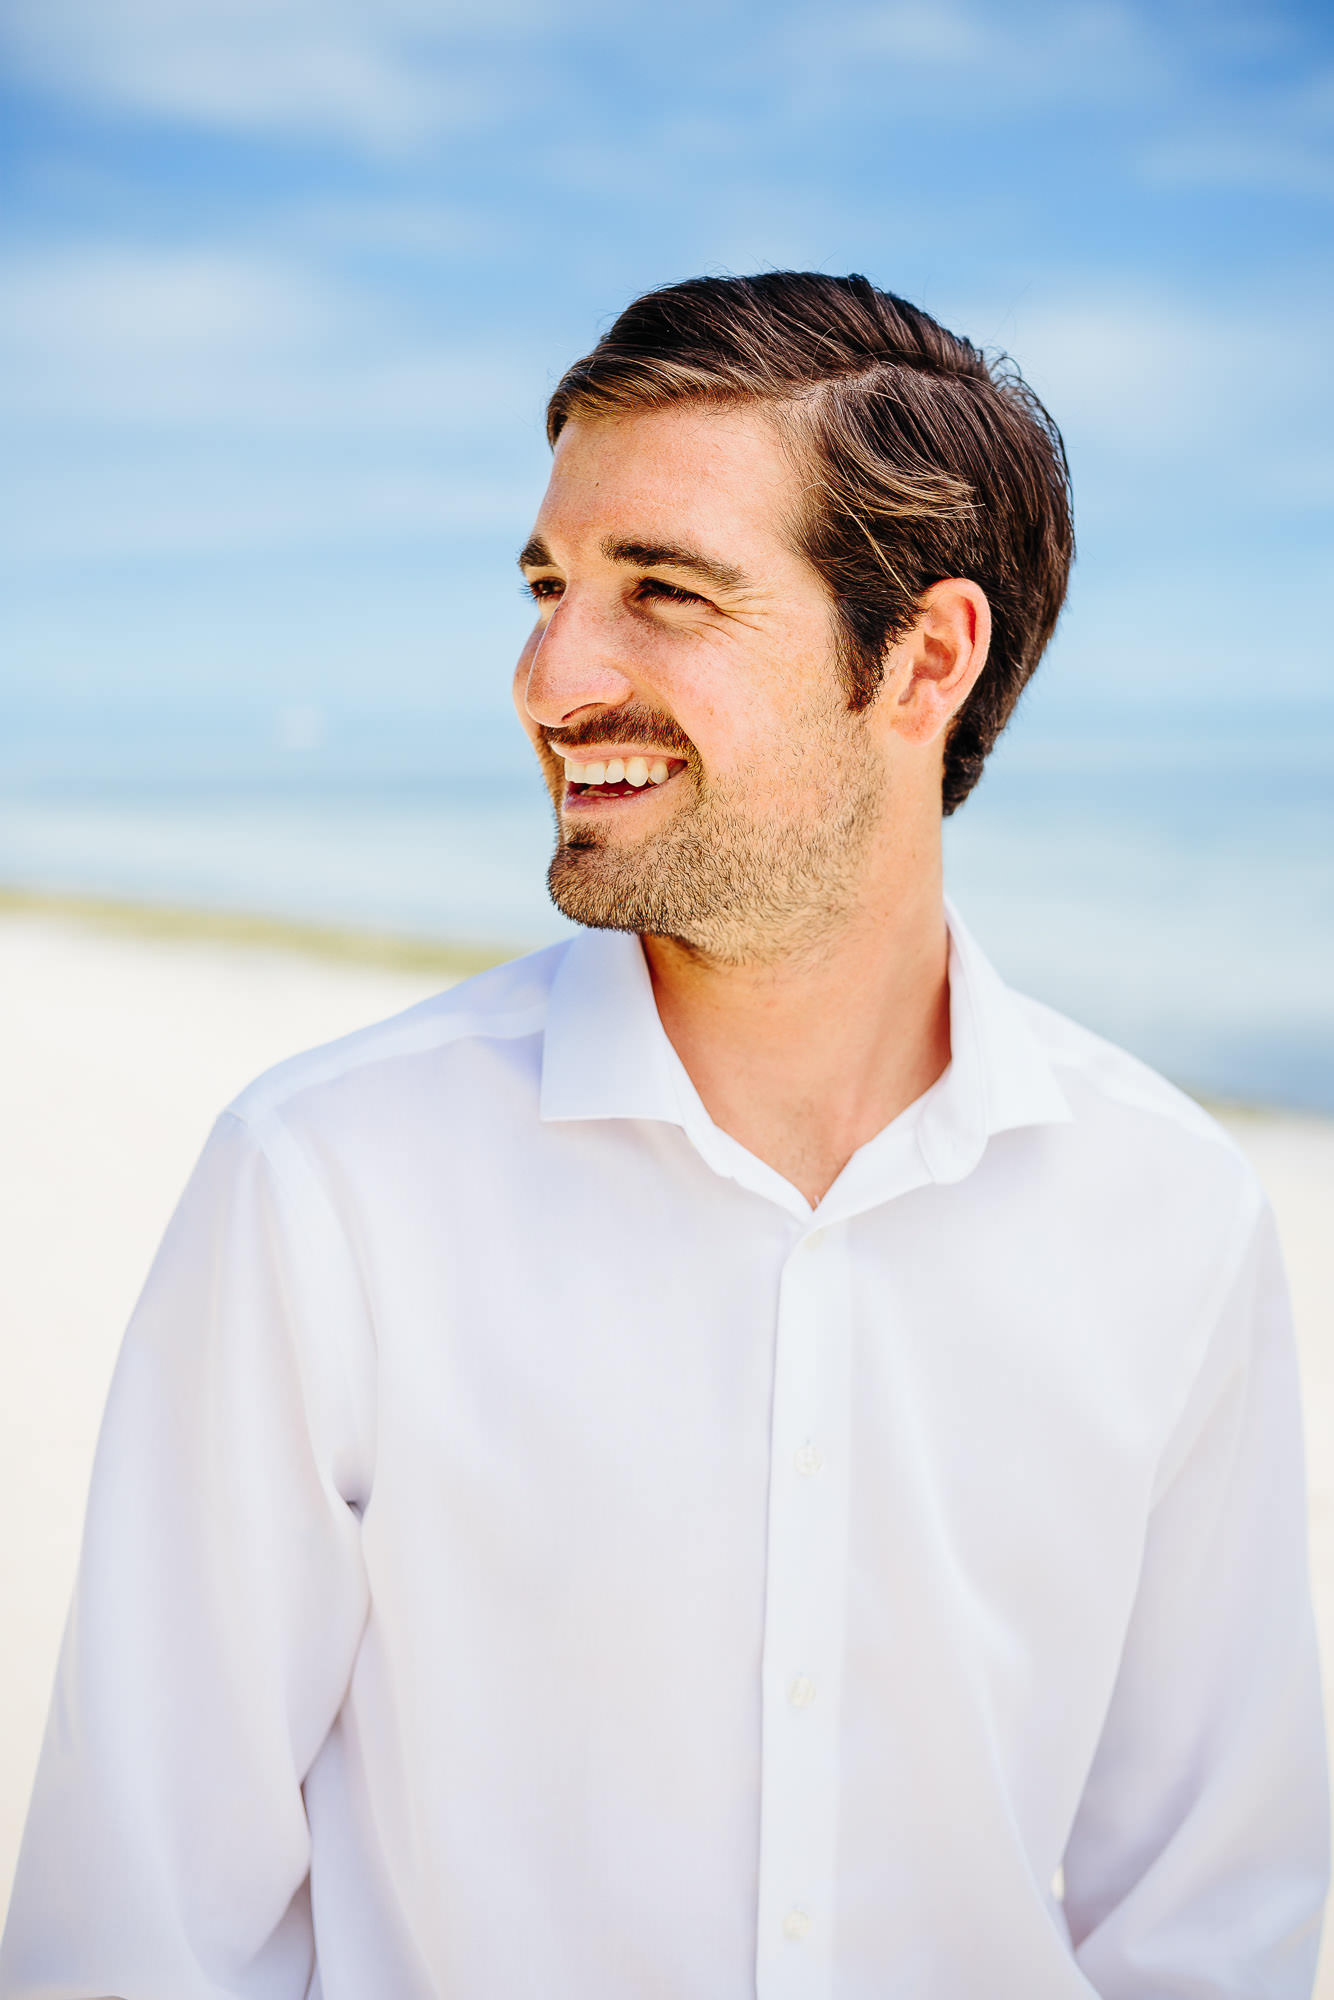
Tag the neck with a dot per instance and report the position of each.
(805, 1059)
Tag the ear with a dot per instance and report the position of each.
(932, 670)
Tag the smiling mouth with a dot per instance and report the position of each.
(618, 778)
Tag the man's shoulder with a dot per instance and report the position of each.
(1111, 1092)
(506, 1003)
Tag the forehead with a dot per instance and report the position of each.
(715, 478)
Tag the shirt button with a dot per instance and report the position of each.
(796, 1926)
(807, 1459)
(802, 1691)
(815, 1239)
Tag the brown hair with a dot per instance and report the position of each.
(924, 460)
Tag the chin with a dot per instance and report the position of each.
(602, 890)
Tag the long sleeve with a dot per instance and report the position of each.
(1197, 1865)
(219, 1605)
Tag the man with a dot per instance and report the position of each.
(733, 1456)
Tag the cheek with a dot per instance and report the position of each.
(763, 716)
(717, 697)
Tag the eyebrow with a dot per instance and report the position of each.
(535, 554)
(647, 555)
(659, 555)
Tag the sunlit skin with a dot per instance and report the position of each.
(805, 1038)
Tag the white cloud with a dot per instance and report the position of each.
(168, 403)
(183, 504)
(76, 303)
(391, 75)
(1277, 135)
(922, 31)
(1132, 374)
(390, 225)
(1168, 387)
(1277, 163)
(1015, 54)
(387, 74)
(210, 341)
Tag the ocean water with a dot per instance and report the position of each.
(1174, 892)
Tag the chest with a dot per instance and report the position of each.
(942, 1400)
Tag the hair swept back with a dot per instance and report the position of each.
(923, 459)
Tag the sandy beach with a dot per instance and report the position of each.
(121, 1042)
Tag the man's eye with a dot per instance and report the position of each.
(653, 586)
(543, 587)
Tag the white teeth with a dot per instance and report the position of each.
(635, 771)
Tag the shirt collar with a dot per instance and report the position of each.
(605, 1055)
(999, 1076)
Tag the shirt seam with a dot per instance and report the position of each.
(268, 1094)
(1205, 1332)
(279, 1161)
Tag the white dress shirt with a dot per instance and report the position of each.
(534, 1556)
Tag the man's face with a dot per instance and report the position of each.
(685, 652)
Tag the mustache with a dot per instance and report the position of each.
(623, 725)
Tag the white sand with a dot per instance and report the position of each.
(118, 1051)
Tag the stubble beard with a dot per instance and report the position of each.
(732, 885)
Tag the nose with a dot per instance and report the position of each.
(570, 665)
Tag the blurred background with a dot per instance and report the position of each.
(288, 282)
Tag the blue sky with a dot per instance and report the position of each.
(288, 281)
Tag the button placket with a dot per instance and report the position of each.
(804, 1622)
